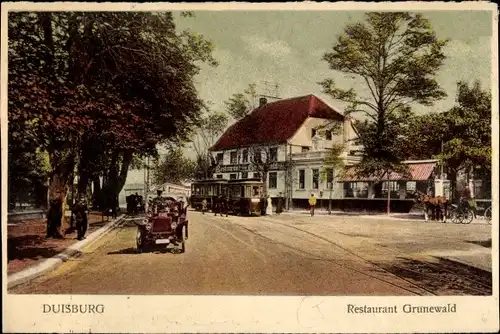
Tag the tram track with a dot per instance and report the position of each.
(483, 288)
(415, 289)
(474, 286)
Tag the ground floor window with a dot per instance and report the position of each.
(219, 176)
(256, 175)
(302, 179)
(315, 178)
(244, 175)
(329, 178)
(232, 176)
(273, 180)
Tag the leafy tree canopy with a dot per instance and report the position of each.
(397, 56)
(97, 88)
(241, 104)
(460, 136)
(173, 167)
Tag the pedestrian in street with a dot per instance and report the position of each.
(312, 204)
(80, 211)
(204, 205)
(279, 204)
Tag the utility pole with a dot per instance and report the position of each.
(388, 193)
(442, 161)
(146, 185)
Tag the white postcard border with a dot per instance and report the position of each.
(121, 313)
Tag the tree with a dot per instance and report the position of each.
(461, 136)
(261, 159)
(209, 130)
(396, 55)
(77, 79)
(332, 162)
(173, 167)
(241, 104)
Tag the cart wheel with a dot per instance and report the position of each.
(455, 217)
(468, 216)
(487, 215)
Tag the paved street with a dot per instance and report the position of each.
(286, 254)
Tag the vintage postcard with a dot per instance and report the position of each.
(243, 167)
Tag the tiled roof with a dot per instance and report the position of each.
(274, 122)
(418, 172)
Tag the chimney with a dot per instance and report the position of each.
(262, 101)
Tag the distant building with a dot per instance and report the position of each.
(172, 190)
(296, 134)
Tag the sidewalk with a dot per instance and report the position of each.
(27, 246)
(412, 216)
(378, 215)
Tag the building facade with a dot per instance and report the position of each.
(293, 138)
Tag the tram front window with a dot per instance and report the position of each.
(255, 191)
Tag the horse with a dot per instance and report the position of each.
(438, 205)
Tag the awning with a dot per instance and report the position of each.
(418, 172)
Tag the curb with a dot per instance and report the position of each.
(52, 263)
(354, 215)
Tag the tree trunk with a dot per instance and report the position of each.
(96, 194)
(452, 176)
(58, 190)
(122, 177)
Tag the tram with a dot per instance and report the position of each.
(245, 196)
(208, 189)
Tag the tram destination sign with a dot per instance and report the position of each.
(247, 168)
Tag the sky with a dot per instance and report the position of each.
(286, 47)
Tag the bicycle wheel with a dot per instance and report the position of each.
(487, 215)
(468, 216)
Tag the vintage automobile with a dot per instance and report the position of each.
(164, 225)
(209, 190)
(246, 197)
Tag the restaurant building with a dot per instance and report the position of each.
(295, 135)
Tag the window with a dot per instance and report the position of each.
(329, 178)
(257, 156)
(328, 135)
(273, 154)
(273, 180)
(302, 179)
(305, 148)
(245, 156)
(220, 157)
(232, 176)
(315, 178)
(234, 158)
(313, 132)
(219, 176)
(244, 175)
(256, 175)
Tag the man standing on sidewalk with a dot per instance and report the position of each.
(312, 204)
(80, 212)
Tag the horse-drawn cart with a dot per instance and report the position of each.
(161, 229)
